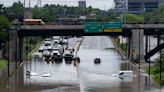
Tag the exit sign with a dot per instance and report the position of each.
(93, 27)
(113, 25)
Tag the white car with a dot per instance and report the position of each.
(56, 56)
(55, 52)
(41, 49)
(125, 75)
(56, 42)
(47, 46)
(68, 56)
(37, 55)
(46, 53)
(65, 41)
(58, 47)
(56, 37)
(47, 43)
(48, 39)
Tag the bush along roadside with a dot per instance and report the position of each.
(155, 71)
(3, 64)
(31, 46)
(123, 46)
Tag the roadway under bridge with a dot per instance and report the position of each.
(134, 32)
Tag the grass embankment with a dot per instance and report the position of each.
(34, 47)
(3, 63)
(123, 46)
(155, 71)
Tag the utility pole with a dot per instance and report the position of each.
(29, 3)
(39, 3)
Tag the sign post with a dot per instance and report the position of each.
(113, 27)
(93, 27)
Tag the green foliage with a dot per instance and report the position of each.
(3, 37)
(3, 64)
(155, 70)
(4, 23)
(157, 15)
(16, 9)
(133, 18)
(31, 45)
(157, 78)
(50, 12)
(123, 46)
(47, 14)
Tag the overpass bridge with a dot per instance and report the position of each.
(79, 30)
(134, 33)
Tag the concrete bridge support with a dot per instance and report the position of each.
(13, 45)
(21, 49)
(137, 45)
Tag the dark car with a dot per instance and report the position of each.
(57, 57)
(97, 60)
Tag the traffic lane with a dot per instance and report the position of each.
(93, 76)
(73, 42)
(98, 77)
(97, 42)
(61, 74)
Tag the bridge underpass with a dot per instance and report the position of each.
(68, 32)
(92, 77)
(134, 32)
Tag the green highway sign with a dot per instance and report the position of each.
(113, 25)
(93, 27)
(100, 27)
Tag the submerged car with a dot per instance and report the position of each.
(47, 46)
(40, 50)
(56, 56)
(68, 56)
(97, 60)
(37, 55)
(46, 55)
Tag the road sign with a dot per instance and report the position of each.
(103, 27)
(93, 27)
(113, 25)
(112, 30)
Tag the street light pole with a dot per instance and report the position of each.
(8, 64)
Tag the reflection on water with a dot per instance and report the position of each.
(64, 77)
(98, 78)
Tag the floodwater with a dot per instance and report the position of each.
(89, 77)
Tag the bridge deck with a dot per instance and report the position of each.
(48, 30)
(77, 27)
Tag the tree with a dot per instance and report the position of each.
(157, 15)
(133, 18)
(17, 9)
(4, 24)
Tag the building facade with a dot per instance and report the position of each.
(138, 6)
(82, 3)
(120, 5)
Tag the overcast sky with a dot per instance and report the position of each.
(102, 4)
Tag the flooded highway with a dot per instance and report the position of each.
(88, 77)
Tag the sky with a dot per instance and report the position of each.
(101, 4)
